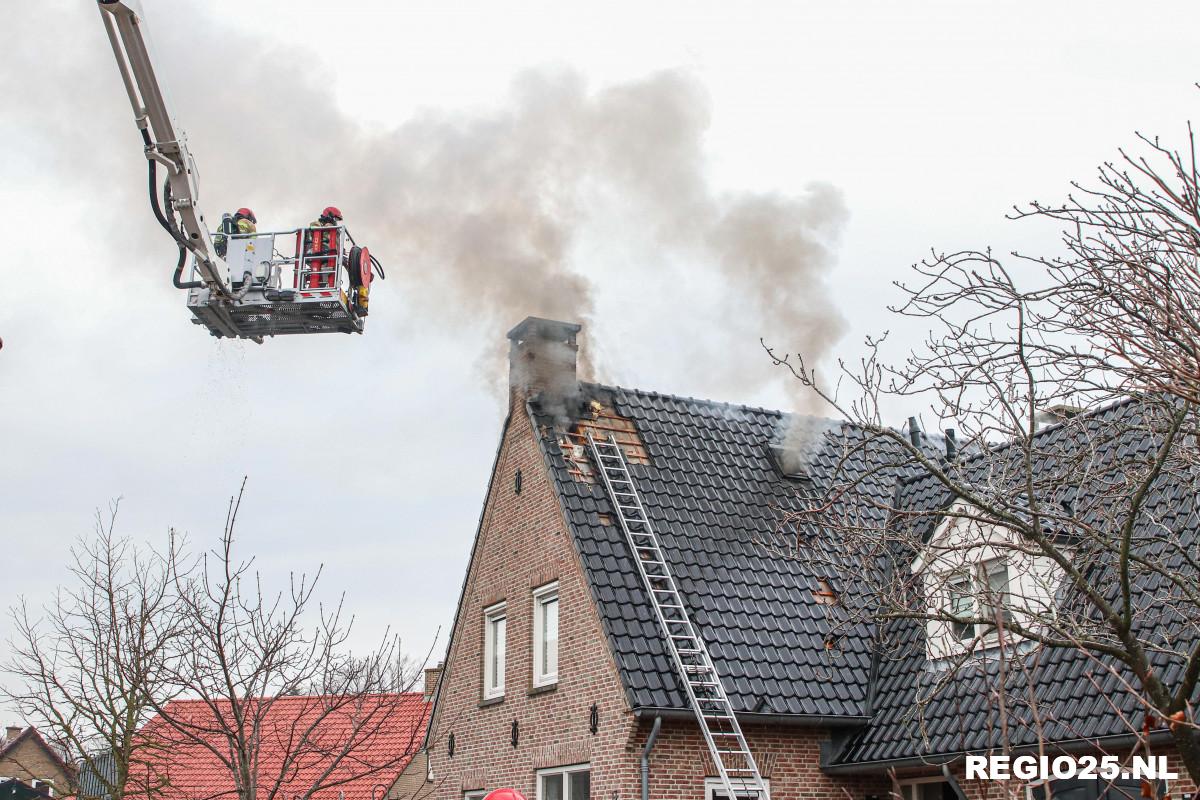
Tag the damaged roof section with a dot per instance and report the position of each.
(714, 496)
(602, 422)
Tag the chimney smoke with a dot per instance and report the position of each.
(543, 357)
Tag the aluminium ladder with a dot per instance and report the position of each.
(730, 753)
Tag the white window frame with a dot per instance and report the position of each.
(913, 783)
(713, 788)
(493, 661)
(542, 596)
(565, 772)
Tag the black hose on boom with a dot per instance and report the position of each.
(167, 226)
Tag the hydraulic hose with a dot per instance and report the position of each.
(176, 278)
(247, 282)
(167, 226)
(378, 268)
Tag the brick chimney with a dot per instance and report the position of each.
(433, 675)
(12, 732)
(542, 360)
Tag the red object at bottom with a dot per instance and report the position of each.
(504, 794)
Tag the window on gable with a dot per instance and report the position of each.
(993, 580)
(961, 604)
(981, 590)
(495, 624)
(545, 635)
(565, 783)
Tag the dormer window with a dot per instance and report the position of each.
(978, 592)
(976, 579)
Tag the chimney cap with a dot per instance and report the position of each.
(539, 326)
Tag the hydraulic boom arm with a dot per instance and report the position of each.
(163, 145)
(247, 284)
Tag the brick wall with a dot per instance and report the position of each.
(787, 757)
(523, 543)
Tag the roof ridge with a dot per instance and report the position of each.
(967, 458)
(654, 393)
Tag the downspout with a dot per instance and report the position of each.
(954, 787)
(646, 757)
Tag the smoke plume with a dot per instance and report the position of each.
(477, 214)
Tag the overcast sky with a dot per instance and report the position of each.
(370, 454)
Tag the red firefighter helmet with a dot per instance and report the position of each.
(247, 214)
(332, 212)
(504, 794)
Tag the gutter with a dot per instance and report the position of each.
(1116, 741)
(754, 718)
(646, 757)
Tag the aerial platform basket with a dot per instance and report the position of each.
(304, 280)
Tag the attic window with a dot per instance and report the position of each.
(824, 594)
(601, 421)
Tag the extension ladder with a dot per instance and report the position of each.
(731, 755)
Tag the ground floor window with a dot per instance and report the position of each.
(1096, 789)
(476, 795)
(565, 783)
(933, 789)
(714, 790)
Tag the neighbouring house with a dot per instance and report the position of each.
(558, 679)
(306, 750)
(25, 756)
(15, 789)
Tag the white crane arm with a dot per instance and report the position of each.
(123, 21)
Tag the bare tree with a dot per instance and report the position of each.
(1061, 515)
(248, 653)
(87, 665)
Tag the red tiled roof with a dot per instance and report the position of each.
(299, 730)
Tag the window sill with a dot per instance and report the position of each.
(544, 689)
(491, 701)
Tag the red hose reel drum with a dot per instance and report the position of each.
(364, 270)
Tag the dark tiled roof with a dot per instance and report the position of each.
(918, 711)
(716, 499)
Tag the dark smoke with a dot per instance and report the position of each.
(479, 213)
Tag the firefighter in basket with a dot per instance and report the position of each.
(241, 223)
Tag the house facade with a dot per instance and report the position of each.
(558, 680)
(28, 758)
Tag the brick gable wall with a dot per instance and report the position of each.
(29, 761)
(523, 543)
